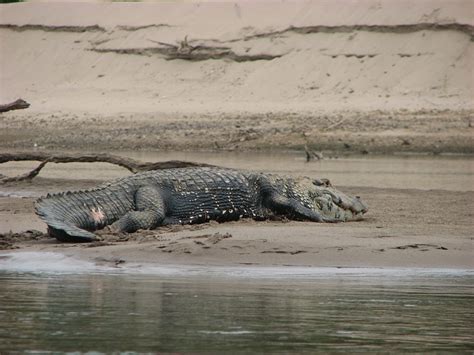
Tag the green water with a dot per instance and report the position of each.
(152, 313)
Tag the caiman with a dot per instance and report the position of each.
(192, 195)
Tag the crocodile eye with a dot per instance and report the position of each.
(322, 182)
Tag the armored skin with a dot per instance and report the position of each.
(192, 195)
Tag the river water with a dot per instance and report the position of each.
(79, 307)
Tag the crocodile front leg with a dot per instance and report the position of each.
(293, 208)
(150, 211)
(280, 204)
(337, 205)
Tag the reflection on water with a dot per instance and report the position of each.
(416, 172)
(103, 312)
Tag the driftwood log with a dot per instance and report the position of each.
(15, 105)
(132, 165)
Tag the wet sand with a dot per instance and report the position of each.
(427, 225)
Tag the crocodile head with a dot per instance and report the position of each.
(329, 202)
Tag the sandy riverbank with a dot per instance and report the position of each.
(411, 232)
(427, 225)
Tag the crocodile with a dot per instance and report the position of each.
(192, 195)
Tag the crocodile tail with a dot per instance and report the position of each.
(70, 216)
(66, 232)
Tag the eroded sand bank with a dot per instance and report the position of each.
(363, 76)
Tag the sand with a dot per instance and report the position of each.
(374, 76)
(340, 77)
(392, 235)
(429, 225)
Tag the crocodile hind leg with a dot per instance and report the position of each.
(149, 211)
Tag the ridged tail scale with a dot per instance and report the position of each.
(71, 216)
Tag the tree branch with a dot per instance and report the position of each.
(27, 176)
(131, 164)
(15, 105)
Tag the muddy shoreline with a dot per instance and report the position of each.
(345, 133)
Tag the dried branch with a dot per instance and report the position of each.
(311, 154)
(27, 176)
(15, 105)
(183, 48)
(338, 123)
(132, 165)
(164, 43)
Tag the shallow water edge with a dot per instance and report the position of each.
(57, 263)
